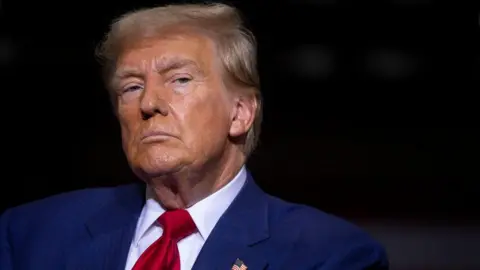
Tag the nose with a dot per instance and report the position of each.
(152, 104)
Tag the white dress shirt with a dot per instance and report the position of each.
(205, 214)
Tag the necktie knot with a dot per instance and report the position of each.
(177, 224)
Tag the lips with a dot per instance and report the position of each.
(153, 135)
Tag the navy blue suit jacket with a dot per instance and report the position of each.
(92, 229)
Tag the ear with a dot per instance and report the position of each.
(243, 115)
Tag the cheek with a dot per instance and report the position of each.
(206, 120)
(128, 124)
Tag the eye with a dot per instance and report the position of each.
(132, 88)
(182, 80)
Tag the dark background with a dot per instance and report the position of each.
(370, 113)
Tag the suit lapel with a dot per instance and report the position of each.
(241, 227)
(111, 231)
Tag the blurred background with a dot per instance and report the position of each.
(371, 113)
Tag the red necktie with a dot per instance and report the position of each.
(163, 253)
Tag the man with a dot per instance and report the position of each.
(184, 87)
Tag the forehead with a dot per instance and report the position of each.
(181, 50)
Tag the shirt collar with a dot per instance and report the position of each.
(208, 211)
(205, 213)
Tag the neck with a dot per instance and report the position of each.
(188, 186)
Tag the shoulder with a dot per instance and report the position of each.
(325, 237)
(311, 221)
(71, 205)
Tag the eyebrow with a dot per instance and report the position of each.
(165, 65)
(127, 72)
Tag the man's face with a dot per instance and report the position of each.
(173, 107)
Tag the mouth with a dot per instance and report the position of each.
(155, 136)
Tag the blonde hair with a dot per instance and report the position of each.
(236, 45)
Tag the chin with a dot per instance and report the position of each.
(159, 170)
(158, 164)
